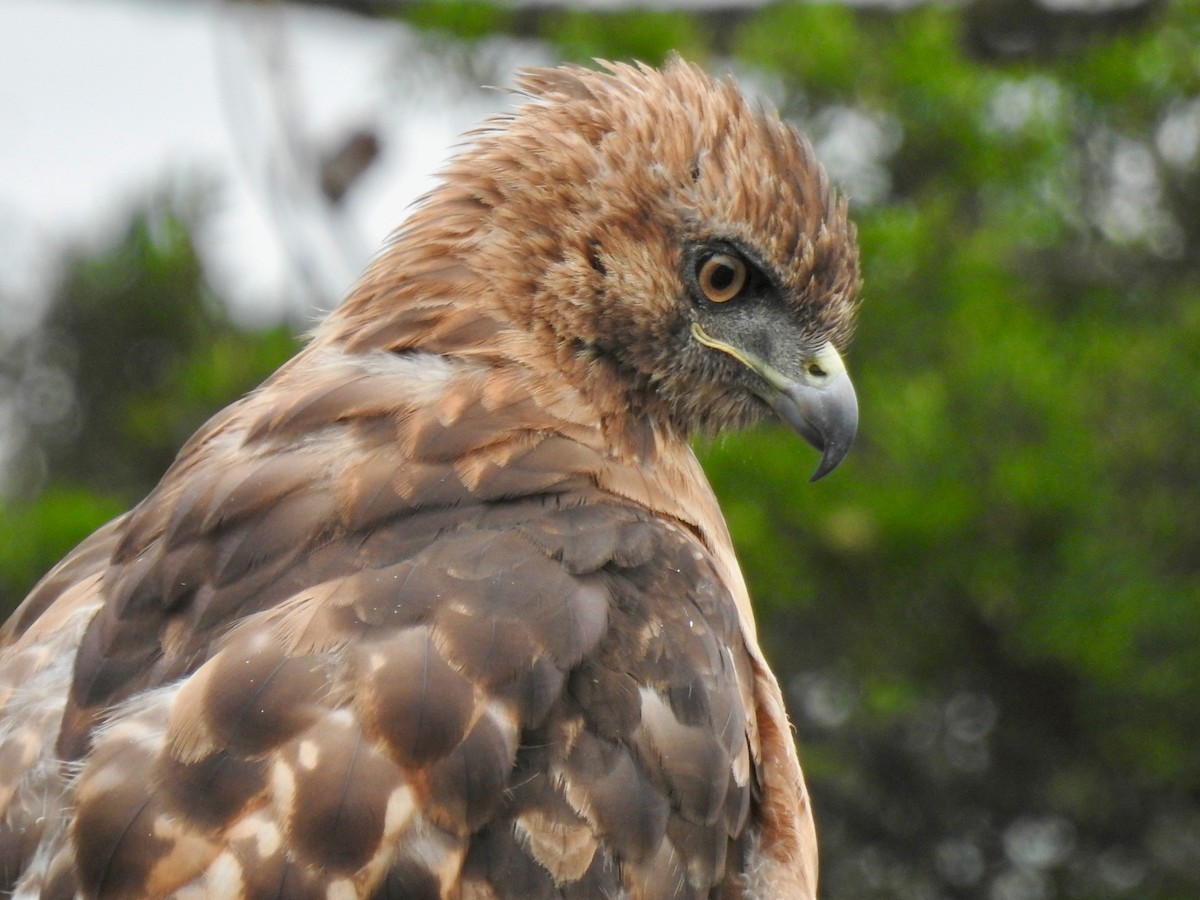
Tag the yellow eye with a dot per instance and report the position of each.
(722, 277)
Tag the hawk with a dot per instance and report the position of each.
(446, 607)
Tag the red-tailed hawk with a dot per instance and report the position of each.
(446, 608)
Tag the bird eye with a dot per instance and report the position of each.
(722, 277)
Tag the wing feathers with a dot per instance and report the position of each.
(257, 697)
(462, 791)
(418, 704)
(354, 670)
(604, 784)
(213, 791)
(342, 784)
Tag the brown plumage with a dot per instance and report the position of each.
(446, 608)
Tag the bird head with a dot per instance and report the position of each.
(676, 252)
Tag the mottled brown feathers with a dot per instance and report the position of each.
(446, 608)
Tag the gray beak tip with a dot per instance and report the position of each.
(826, 416)
(830, 459)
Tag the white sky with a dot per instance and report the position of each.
(104, 101)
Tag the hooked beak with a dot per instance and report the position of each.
(818, 403)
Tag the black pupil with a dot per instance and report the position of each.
(721, 276)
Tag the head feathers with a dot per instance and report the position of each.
(562, 232)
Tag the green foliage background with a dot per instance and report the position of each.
(987, 620)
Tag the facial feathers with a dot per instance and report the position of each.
(570, 221)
